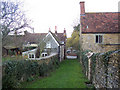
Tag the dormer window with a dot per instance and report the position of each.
(44, 54)
(31, 55)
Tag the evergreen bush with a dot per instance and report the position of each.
(15, 72)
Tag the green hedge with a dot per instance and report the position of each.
(15, 72)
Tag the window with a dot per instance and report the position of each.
(44, 54)
(31, 55)
(99, 39)
(48, 45)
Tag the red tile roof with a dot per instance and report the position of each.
(100, 22)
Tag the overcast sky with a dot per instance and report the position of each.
(47, 14)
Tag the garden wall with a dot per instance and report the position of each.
(103, 69)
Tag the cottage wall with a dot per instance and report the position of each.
(110, 42)
(54, 46)
(62, 52)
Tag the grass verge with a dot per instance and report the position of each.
(68, 75)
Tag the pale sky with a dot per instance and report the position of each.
(47, 14)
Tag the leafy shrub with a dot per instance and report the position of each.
(51, 65)
(10, 74)
(15, 72)
(30, 79)
(43, 68)
(11, 52)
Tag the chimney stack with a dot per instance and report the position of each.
(55, 29)
(64, 32)
(49, 30)
(82, 8)
(25, 32)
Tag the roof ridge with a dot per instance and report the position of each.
(38, 33)
(57, 39)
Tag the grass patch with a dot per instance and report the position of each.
(68, 75)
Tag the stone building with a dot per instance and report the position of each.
(99, 30)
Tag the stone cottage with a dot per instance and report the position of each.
(99, 31)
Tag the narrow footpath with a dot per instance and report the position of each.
(68, 75)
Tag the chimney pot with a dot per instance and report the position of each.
(49, 30)
(64, 32)
(82, 8)
(55, 29)
(25, 32)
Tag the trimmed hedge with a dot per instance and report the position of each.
(15, 72)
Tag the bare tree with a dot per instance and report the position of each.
(12, 18)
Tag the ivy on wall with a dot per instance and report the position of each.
(101, 66)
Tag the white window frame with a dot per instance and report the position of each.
(48, 45)
(31, 55)
(44, 54)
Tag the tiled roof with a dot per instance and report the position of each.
(100, 22)
(34, 37)
(19, 40)
(13, 41)
(61, 36)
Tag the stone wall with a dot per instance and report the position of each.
(113, 79)
(110, 42)
(99, 79)
(106, 71)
